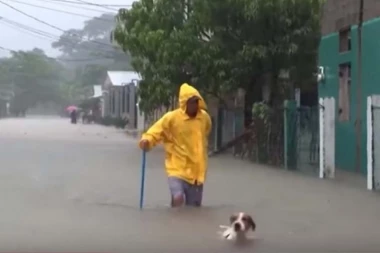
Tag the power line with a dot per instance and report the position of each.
(88, 3)
(47, 35)
(53, 26)
(41, 32)
(63, 60)
(32, 17)
(62, 11)
(6, 49)
(24, 31)
(29, 29)
(34, 31)
(71, 4)
(99, 5)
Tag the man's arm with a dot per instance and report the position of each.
(155, 133)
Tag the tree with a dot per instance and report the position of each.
(227, 44)
(90, 51)
(145, 32)
(34, 78)
(91, 74)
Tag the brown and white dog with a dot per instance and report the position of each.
(240, 224)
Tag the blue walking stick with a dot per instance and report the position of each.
(142, 185)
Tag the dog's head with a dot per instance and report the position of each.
(242, 222)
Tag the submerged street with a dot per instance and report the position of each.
(75, 188)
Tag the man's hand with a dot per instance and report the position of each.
(144, 145)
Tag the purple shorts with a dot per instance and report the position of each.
(193, 193)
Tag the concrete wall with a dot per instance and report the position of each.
(330, 58)
(3, 108)
(132, 112)
(228, 118)
(338, 14)
(115, 95)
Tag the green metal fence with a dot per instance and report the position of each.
(302, 138)
(376, 146)
(226, 125)
(286, 137)
(264, 140)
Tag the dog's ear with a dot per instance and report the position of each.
(233, 218)
(251, 222)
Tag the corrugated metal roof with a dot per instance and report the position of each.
(121, 78)
(97, 91)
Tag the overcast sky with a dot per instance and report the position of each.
(17, 39)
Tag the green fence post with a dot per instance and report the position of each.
(285, 135)
(290, 136)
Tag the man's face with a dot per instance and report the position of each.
(192, 106)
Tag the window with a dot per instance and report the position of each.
(128, 98)
(344, 40)
(113, 96)
(344, 91)
(109, 99)
(123, 99)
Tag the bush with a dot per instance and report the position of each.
(118, 122)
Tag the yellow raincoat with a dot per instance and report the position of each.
(184, 138)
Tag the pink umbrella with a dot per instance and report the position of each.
(71, 108)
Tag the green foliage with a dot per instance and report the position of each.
(112, 121)
(91, 74)
(90, 52)
(267, 134)
(87, 54)
(261, 111)
(220, 46)
(32, 77)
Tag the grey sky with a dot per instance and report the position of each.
(16, 39)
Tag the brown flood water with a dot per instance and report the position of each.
(67, 188)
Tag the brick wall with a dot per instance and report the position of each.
(338, 14)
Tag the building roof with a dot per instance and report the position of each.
(121, 78)
(97, 91)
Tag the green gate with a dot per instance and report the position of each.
(376, 146)
(301, 138)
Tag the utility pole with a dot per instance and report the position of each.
(358, 122)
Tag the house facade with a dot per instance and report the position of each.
(6, 94)
(3, 108)
(352, 73)
(119, 97)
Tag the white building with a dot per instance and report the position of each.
(120, 97)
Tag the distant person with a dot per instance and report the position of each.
(73, 116)
(184, 133)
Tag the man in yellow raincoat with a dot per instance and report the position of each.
(184, 133)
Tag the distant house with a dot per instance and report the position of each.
(3, 107)
(96, 97)
(119, 97)
(6, 94)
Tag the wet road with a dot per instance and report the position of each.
(74, 188)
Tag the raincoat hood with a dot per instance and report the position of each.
(186, 92)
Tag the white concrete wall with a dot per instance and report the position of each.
(373, 142)
(327, 137)
(369, 144)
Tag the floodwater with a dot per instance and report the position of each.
(75, 188)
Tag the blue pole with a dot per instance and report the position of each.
(142, 185)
